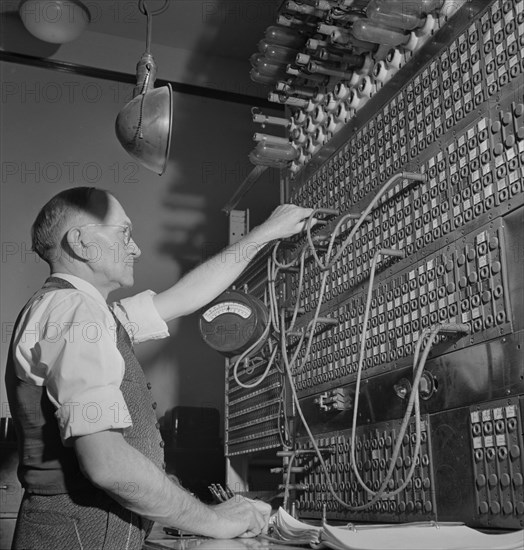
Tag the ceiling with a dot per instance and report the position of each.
(211, 39)
(224, 28)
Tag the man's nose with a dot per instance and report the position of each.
(135, 250)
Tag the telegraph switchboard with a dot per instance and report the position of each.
(454, 116)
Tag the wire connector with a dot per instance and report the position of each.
(392, 252)
(454, 327)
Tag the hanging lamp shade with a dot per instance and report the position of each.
(143, 126)
(55, 21)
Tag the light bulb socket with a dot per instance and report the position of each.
(145, 74)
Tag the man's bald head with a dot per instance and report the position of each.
(72, 206)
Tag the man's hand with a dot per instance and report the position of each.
(241, 517)
(285, 221)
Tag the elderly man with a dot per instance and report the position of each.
(91, 459)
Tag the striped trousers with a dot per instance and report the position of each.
(84, 520)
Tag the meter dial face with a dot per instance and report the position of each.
(227, 307)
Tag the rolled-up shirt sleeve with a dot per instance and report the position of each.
(84, 369)
(140, 317)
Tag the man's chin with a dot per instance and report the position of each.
(128, 281)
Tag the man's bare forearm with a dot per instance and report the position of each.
(208, 280)
(138, 485)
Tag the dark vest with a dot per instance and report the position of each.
(48, 467)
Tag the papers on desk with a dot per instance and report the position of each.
(418, 537)
(286, 528)
(410, 536)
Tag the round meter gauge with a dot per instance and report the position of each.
(233, 322)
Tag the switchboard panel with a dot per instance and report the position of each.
(395, 375)
(373, 451)
(496, 432)
(255, 415)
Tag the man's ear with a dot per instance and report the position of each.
(75, 245)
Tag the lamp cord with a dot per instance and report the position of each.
(142, 7)
(143, 10)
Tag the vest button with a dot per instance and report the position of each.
(154, 405)
(149, 385)
(162, 444)
(157, 425)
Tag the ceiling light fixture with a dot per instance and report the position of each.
(55, 21)
(143, 126)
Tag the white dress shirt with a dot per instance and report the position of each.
(66, 341)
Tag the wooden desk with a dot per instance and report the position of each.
(214, 544)
(158, 540)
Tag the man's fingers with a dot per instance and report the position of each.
(306, 221)
(288, 219)
(263, 508)
(248, 534)
(261, 515)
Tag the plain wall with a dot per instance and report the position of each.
(58, 132)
